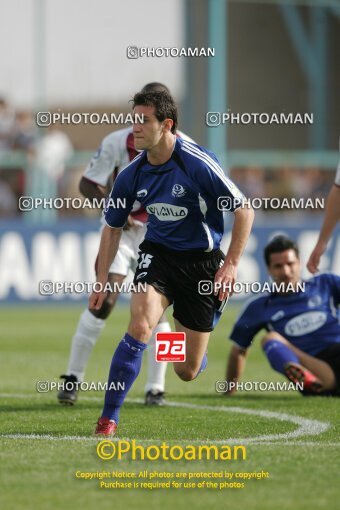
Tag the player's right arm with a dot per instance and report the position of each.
(248, 324)
(116, 214)
(109, 244)
(235, 366)
(332, 216)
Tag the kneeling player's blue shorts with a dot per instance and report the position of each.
(177, 275)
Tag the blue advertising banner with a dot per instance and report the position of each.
(66, 253)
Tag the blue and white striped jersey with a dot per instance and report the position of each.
(181, 197)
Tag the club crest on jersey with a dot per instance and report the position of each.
(314, 301)
(178, 191)
(142, 193)
(167, 212)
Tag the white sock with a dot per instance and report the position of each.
(88, 330)
(156, 369)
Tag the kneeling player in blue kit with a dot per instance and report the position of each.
(303, 331)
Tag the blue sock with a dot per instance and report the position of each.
(203, 364)
(125, 367)
(279, 355)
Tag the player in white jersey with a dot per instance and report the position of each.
(332, 216)
(114, 154)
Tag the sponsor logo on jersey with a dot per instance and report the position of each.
(305, 323)
(178, 191)
(142, 193)
(167, 212)
(278, 315)
(314, 301)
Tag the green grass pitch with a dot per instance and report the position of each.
(40, 473)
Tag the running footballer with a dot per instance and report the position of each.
(179, 184)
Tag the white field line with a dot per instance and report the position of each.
(306, 427)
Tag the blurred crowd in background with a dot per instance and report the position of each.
(23, 146)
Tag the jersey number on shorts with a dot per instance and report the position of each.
(146, 261)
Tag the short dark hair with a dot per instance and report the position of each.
(279, 244)
(165, 107)
(155, 86)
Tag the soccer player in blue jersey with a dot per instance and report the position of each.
(179, 184)
(303, 331)
(117, 150)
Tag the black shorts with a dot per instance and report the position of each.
(177, 275)
(331, 355)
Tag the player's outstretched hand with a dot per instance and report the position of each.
(96, 300)
(224, 281)
(314, 259)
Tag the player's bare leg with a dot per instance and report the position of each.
(89, 328)
(320, 369)
(196, 347)
(155, 384)
(146, 310)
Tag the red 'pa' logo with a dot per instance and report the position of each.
(170, 346)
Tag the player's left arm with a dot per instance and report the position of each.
(227, 274)
(214, 182)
